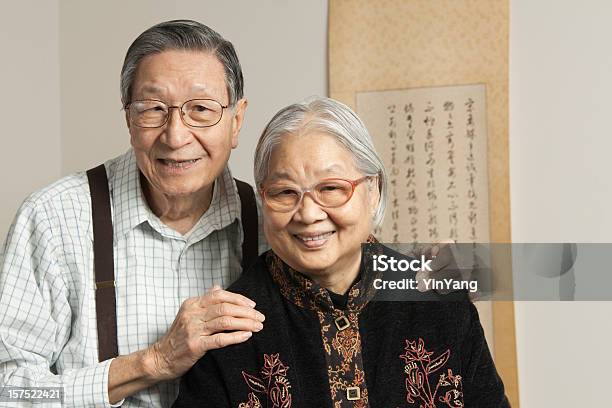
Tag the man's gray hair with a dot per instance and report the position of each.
(333, 118)
(182, 35)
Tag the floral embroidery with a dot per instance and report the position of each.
(324, 330)
(420, 364)
(344, 363)
(273, 383)
(342, 347)
(346, 342)
(253, 402)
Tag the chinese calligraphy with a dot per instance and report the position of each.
(434, 145)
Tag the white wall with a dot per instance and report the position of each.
(29, 108)
(560, 144)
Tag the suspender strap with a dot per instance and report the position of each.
(248, 215)
(104, 266)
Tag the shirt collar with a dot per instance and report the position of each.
(223, 210)
(130, 208)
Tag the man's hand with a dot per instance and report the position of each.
(214, 320)
(443, 265)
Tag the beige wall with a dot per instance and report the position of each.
(29, 76)
(72, 53)
(560, 68)
(560, 144)
(281, 46)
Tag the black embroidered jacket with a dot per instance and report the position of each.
(314, 352)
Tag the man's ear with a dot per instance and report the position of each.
(129, 126)
(237, 119)
(127, 118)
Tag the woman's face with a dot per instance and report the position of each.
(313, 239)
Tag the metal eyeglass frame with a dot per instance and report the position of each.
(180, 109)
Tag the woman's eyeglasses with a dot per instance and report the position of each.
(330, 193)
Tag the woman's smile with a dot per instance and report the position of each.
(314, 240)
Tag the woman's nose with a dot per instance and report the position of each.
(309, 211)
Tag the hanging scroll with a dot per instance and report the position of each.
(434, 145)
(418, 45)
(433, 142)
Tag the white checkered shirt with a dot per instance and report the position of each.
(48, 332)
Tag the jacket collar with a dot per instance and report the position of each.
(305, 293)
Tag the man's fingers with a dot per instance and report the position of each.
(223, 296)
(419, 250)
(421, 277)
(443, 257)
(444, 265)
(446, 273)
(220, 340)
(432, 250)
(232, 310)
(229, 323)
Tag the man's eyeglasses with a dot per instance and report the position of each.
(331, 193)
(151, 113)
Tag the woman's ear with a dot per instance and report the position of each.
(374, 194)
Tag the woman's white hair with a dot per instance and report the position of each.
(333, 118)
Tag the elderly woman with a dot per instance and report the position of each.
(325, 342)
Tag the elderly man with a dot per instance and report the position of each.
(176, 233)
(113, 314)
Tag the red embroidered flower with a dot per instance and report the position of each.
(274, 384)
(273, 366)
(419, 365)
(252, 403)
(279, 394)
(415, 351)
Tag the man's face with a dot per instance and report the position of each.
(176, 159)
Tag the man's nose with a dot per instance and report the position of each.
(308, 211)
(177, 133)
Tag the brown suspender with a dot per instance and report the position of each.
(104, 265)
(248, 211)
